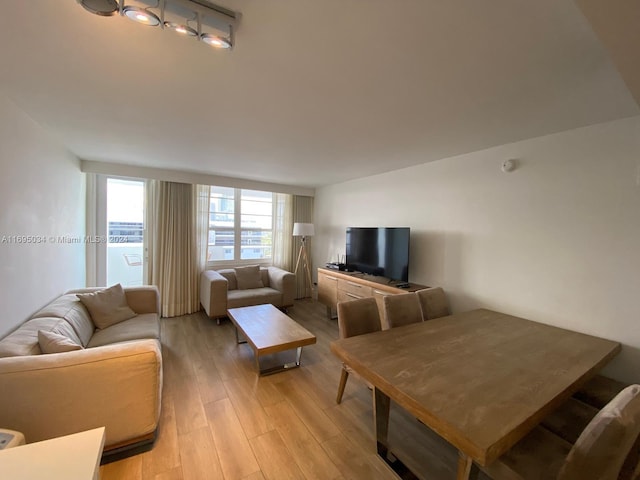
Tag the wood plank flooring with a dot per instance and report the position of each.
(221, 421)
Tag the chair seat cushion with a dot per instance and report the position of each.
(570, 419)
(599, 391)
(538, 456)
(254, 296)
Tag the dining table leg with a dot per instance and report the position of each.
(467, 470)
(381, 404)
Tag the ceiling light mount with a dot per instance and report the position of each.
(104, 8)
(199, 19)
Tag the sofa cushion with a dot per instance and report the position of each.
(142, 327)
(107, 307)
(249, 277)
(51, 342)
(24, 340)
(73, 312)
(230, 275)
(264, 275)
(254, 296)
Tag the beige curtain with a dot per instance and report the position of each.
(283, 244)
(302, 212)
(174, 244)
(202, 198)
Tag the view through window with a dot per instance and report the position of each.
(125, 217)
(240, 225)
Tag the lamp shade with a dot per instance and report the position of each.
(303, 230)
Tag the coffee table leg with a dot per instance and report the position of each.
(240, 341)
(298, 355)
(280, 368)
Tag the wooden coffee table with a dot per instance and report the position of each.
(267, 330)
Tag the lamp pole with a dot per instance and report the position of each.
(304, 230)
(305, 261)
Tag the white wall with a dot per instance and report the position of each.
(42, 192)
(556, 241)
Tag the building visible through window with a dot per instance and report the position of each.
(240, 225)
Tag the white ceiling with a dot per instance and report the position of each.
(314, 92)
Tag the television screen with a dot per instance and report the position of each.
(379, 251)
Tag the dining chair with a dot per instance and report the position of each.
(599, 391)
(434, 303)
(603, 451)
(569, 420)
(356, 317)
(402, 309)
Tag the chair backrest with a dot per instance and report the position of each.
(357, 317)
(601, 450)
(132, 259)
(434, 303)
(401, 309)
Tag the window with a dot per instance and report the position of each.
(125, 231)
(240, 225)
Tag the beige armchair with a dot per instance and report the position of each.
(245, 286)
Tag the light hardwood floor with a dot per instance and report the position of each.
(221, 421)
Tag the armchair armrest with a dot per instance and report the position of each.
(213, 293)
(117, 386)
(284, 282)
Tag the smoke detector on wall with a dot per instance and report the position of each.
(508, 165)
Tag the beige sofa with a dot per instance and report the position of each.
(221, 290)
(114, 381)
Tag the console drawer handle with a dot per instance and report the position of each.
(352, 295)
(354, 284)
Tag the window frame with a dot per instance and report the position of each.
(237, 232)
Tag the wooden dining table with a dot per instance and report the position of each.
(480, 379)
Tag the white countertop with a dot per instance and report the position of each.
(72, 457)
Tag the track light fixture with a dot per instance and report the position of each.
(200, 19)
(141, 15)
(180, 28)
(104, 8)
(215, 41)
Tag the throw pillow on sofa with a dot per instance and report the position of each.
(107, 307)
(249, 277)
(51, 342)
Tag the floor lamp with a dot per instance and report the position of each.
(304, 230)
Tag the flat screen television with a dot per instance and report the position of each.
(382, 251)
